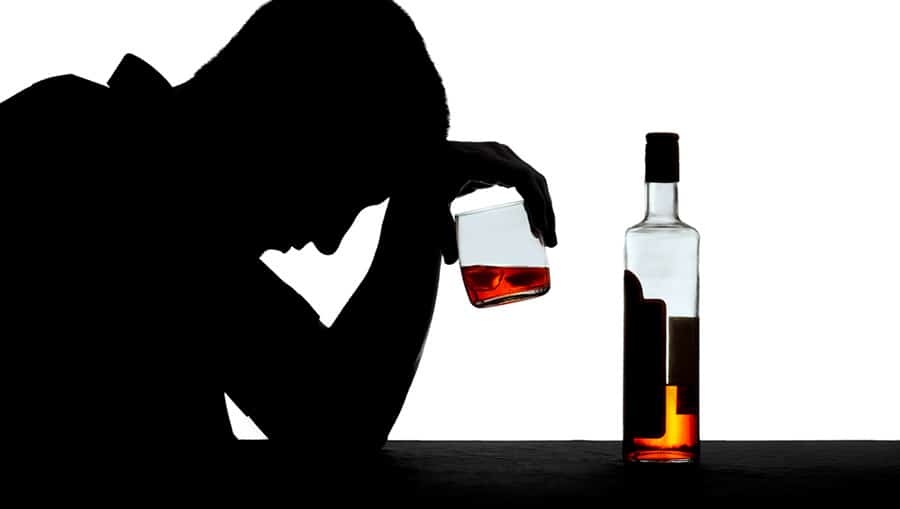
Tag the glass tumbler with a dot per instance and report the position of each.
(501, 260)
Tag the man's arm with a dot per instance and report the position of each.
(382, 329)
(347, 382)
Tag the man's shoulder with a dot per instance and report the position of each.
(54, 95)
(66, 112)
(65, 82)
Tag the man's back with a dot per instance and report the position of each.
(132, 317)
(91, 278)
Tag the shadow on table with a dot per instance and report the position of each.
(583, 474)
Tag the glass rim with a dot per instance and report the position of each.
(490, 208)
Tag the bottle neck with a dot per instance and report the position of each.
(662, 202)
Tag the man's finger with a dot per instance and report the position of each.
(549, 214)
(534, 208)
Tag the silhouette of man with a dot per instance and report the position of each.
(139, 212)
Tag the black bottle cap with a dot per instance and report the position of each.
(662, 157)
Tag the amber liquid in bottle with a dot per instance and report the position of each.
(492, 286)
(680, 439)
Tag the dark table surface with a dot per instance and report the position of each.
(528, 472)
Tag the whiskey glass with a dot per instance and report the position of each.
(501, 259)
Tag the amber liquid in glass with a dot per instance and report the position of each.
(679, 444)
(492, 286)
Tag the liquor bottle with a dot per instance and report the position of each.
(661, 372)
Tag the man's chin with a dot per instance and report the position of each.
(326, 248)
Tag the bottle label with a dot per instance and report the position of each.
(684, 360)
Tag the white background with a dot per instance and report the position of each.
(789, 114)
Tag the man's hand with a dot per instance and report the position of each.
(476, 165)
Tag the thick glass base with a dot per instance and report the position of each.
(509, 299)
(661, 456)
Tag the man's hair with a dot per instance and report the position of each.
(355, 66)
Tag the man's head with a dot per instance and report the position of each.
(318, 109)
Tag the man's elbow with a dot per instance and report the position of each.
(327, 439)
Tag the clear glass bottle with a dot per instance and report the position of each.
(661, 372)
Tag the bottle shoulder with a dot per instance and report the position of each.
(678, 227)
